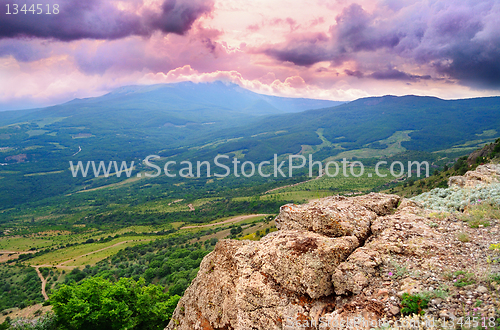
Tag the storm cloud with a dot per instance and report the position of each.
(99, 19)
(445, 39)
(305, 49)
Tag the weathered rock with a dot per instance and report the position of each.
(409, 206)
(381, 204)
(484, 174)
(334, 216)
(394, 310)
(210, 300)
(241, 282)
(410, 286)
(484, 152)
(301, 262)
(367, 312)
(355, 274)
(388, 232)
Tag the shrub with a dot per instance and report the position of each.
(413, 304)
(457, 199)
(462, 278)
(478, 214)
(46, 322)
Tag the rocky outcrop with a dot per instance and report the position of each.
(331, 259)
(483, 174)
(485, 152)
(295, 273)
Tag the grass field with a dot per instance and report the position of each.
(20, 244)
(298, 196)
(393, 147)
(94, 257)
(35, 132)
(89, 254)
(66, 255)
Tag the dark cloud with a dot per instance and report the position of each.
(444, 39)
(298, 56)
(393, 74)
(351, 34)
(178, 16)
(476, 66)
(471, 56)
(356, 31)
(389, 74)
(356, 73)
(99, 19)
(304, 50)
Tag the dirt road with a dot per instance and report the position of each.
(44, 282)
(87, 254)
(235, 219)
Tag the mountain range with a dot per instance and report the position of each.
(198, 121)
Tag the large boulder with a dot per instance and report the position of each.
(334, 216)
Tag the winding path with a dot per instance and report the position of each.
(44, 282)
(79, 149)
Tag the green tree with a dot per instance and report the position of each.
(96, 303)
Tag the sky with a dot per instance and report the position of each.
(326, 49)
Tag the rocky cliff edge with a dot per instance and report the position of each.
(337, 258)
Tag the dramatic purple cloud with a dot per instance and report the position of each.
(304, 49)
(447, 39)
(99, 19)
(352, 33)
(178, 16)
